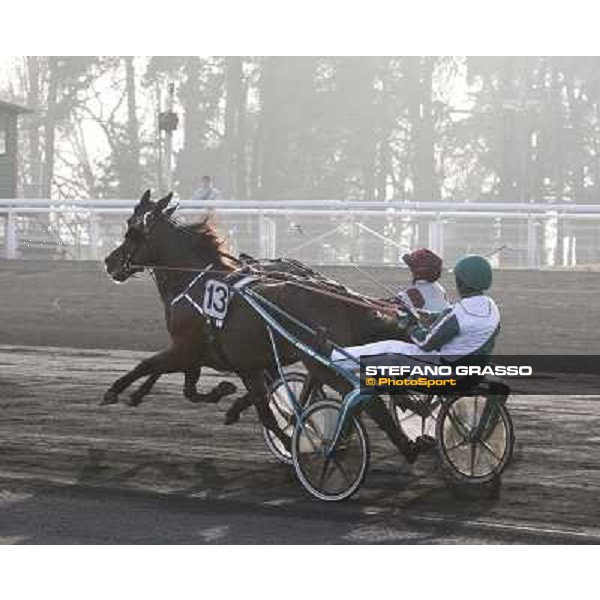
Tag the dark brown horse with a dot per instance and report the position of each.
(275, 268)
(118, 260)
(242, 345)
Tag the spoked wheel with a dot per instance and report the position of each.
(475, 438)
(282, 408)
(336, 475)
(415, 414)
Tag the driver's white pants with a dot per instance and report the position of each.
(404, 352)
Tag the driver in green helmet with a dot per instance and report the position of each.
(468, 327)
(471, 326)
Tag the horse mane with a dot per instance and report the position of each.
(206, 239)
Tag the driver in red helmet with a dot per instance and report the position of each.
(425, 292)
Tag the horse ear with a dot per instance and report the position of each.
(142, 205)
(145, 199)
(169, 212)
(164, 202)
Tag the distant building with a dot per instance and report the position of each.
(9, 115)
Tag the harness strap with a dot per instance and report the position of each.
(230, 257)
(244, 281)
(216, 346)
(185, 294)
(215, 343)
(211, 329)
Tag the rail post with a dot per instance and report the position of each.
(94, 236)
(272, 238)
(10, 235)
(261, 234)
(531, 243)
(267, 236)
(436, 235)
(573, 250)
(354, 245)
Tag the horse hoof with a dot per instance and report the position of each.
(134, 400)
(231, 417)
(225, 388)
(212, 398)
(197, 398)
(109, 398)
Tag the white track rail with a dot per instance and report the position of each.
(532, 235)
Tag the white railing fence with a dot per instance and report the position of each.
(323, 232)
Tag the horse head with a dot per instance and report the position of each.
(138, 248)
(153, 239)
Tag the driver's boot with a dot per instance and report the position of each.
(377, 410)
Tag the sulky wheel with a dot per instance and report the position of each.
(282, 408)
(338, 475)
(475, 438)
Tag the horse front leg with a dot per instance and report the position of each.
(136, 398)
(169, 361)
(190, 390)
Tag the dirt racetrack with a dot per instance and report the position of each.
(169, 471)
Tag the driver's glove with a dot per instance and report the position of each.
(405, 319)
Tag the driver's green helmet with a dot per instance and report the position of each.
(474, 271)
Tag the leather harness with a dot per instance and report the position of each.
(196, 289)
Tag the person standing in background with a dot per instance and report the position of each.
(207, 191)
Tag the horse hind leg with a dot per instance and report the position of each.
(243, 403)
(190, 390)
(238, 407)
(377, 410)
(260, 395)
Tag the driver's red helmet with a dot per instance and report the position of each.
(424, 264)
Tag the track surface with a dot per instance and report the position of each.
(170, 472)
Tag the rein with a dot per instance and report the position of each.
(370, 303)
(315, 287)
(181, 269)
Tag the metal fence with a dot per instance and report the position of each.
(324, 232)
